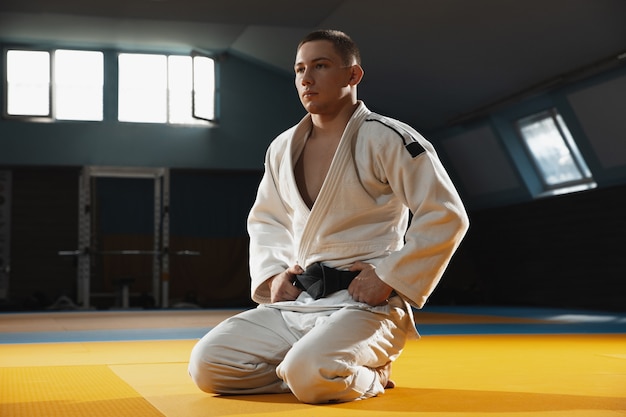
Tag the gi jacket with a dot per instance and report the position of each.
(382, 168)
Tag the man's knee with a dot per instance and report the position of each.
(203, 369)
(315, 379)
(303, 379)
(220, 369)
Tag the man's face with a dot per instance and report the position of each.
(322, 79)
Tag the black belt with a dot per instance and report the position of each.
(319, 280)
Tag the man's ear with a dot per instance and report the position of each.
(356, 74)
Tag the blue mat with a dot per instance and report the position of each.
(557, 322)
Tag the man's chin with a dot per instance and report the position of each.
(309, 104)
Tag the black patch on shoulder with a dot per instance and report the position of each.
(415, 149)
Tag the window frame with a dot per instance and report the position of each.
(51, 116)
(5, 83)
(195, 54)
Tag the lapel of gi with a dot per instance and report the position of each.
(330, 187)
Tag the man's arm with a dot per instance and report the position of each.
(439, 219)
(271, 244)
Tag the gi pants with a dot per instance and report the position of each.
(327, 355)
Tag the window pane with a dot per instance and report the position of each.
(78, 85)
(204, 87)
(179, 82)
(573, 147)
(142, 88)
(557, 162)
(28, 83)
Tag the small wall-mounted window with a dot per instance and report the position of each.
(78, 85)
(28, 83)
(59, 84)
(203, 87)
(552, 148)
(166, 89)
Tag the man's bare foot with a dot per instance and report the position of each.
(384, 376)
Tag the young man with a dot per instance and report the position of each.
(332, 268)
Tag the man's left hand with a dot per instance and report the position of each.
(367, 287)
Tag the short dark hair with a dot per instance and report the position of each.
(344, 45)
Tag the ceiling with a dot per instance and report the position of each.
(427, 62)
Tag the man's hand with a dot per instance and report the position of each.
(281, 285)
(367, 287)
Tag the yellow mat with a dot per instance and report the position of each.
(67, 391)
(442, 376)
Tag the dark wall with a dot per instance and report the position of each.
(44, 221)
(567, 251)
(208, 211)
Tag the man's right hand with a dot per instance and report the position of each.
(281, 285)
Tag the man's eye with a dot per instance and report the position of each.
(320, 66)
(299, 70)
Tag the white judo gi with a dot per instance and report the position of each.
(328, 349)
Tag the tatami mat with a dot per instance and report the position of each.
(502, 374)
(66, 391)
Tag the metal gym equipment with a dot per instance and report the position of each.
(160, 252)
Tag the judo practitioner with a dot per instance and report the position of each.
(336, 265)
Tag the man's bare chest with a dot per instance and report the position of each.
(313, 167)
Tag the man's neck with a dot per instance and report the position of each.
(325, 125)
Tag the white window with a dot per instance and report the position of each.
(142, 88)
(28, 83)
(180, 84)
(78, 85)
(75, 93)
(203, 88)
(554, 152)
(161, 89)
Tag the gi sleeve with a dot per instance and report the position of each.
(271, 241)
(414, 172)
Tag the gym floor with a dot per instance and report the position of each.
(470, 361)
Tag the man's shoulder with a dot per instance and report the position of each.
(389, 125)
(387, 131)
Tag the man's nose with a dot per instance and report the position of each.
(306, 78)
